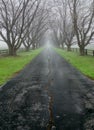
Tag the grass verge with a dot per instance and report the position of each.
(12, 65)
(83, 63)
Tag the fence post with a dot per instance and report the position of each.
(86, 51)
(93, 52)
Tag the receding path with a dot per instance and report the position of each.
(49, 94)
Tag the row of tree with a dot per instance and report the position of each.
(73, 20)
(22, 22)
(26, 21)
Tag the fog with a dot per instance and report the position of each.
(3, 45)
(51, 16)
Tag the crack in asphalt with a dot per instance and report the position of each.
(51, 123)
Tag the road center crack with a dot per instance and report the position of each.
(51, 123)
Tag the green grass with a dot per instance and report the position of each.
(83, 63)
(10, 66)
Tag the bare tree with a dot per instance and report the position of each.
(62, 25)
(13, 22)
(36, 30)
(69, 35)
(66, 26)
(55, 36)
(83, 21)
(55, 26)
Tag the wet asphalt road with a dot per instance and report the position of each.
(48, 94)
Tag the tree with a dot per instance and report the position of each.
(62, 26)
(13, 22)
(55, 26)
(83, 21)
(37, 29)
(69, 35)
(66, 26)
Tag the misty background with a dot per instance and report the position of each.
(29, 24)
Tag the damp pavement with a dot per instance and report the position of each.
(48, 94)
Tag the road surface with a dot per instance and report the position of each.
(48, 94)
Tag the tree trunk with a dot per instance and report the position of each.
(12, 51)
(33, 47)
(27, 48)
(82, 52)
(68, 48)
